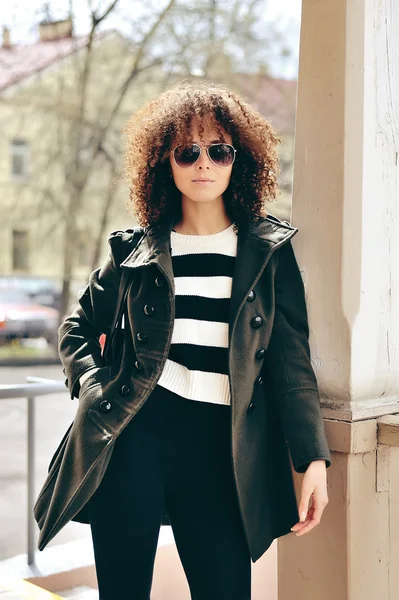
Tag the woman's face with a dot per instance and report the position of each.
(185, 178)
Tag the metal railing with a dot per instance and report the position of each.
(36, 386)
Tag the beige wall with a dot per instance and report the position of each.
(345, 203)
(42, 110)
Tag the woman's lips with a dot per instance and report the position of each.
(202, 181)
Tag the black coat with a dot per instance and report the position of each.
(276, 413)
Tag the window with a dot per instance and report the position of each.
(19, 159)
(20, 250)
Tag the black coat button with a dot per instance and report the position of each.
(149, 310)
(256, 322)
(259, 380)
(251, 296)
(251, 406)
(260, 353)
(138, 365)
(159, 282)
(105, 406)
(141, 337)
(125, 390)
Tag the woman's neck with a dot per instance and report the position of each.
(202, 218)
(202, 226)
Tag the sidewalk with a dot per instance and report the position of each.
(68, 570)
(23, 590)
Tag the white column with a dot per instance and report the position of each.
(346, 200)
(345, 204)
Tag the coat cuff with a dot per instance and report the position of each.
(304, 428)
(86, 375)
(75, 383)
(302, 468)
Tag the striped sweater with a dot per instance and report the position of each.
(197, 365)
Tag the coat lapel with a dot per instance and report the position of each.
(153, 249)
(254, 248)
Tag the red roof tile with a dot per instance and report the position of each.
(275, 98)
(20, 61)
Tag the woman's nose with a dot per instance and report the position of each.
(203, 160)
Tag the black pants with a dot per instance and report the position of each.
(175, 453)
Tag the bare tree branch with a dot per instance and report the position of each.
(185, 38)
(97, 20)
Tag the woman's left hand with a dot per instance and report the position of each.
(314, 485)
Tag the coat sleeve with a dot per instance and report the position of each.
(78, 336)
(289, 368)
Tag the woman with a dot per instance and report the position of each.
(206, 390)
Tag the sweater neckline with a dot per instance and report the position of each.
(194, 239)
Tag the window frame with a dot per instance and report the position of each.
(19, 148)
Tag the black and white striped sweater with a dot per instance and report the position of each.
(197, 365)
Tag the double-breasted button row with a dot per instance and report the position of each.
(106, 406)
(258, 381)
(255, 321)
(251, 405)
(149, 311)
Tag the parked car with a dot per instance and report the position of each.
(42, 290)
(21, 317)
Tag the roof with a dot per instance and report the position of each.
(22, 60)
(275, 98)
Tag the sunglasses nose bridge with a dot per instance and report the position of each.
(203, 158)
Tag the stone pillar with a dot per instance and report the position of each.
(346, 204)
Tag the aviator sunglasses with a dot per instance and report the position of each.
(222, 155)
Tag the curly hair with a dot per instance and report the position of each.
(151, 130)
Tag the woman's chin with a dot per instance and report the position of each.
(202, 197)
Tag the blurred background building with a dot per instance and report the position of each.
(69, 79)
(64, 99)
(71, 73)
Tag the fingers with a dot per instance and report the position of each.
(304, 504)
(301, 524)
(313, 516)
(309, 524)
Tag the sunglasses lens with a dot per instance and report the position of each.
(186, 155)
(222, 154)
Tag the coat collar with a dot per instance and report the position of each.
(254, 247)
(154, 247)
